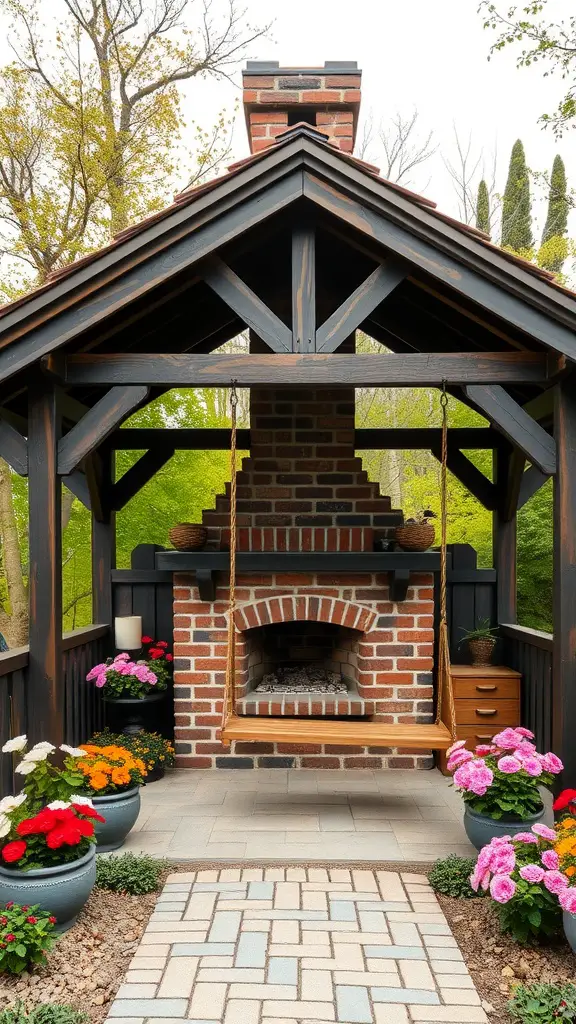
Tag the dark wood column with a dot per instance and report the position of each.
(504, 540)
(564, 655)
(45, 675)
(103, 542)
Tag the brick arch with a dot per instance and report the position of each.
(304, 607)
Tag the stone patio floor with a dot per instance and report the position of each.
(275, 814)
(297, 945)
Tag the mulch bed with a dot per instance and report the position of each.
(89, 962)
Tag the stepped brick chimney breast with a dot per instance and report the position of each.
(302, 489)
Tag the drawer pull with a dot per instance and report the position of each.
(486, 712)
(481, 736)
(487, 689)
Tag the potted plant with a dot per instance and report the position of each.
(566, 850)
(154, 750)
(113, 776)
(130, 688)
(417, 533)
(500, 784)
(481, 642)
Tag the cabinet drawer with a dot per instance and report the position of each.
(486, 689)
(475, 734)
(487, 712)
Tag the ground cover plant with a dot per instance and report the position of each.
(47, 1013)
(130, 874)
(451, 877)
(26, 935)
(543, 1004)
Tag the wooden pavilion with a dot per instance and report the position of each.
(303, 244)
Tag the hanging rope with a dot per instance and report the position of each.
(230, 679)
(444, 674)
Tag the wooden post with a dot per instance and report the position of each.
(564, 663)
(504, 542)
(45, 673)
(103, 545)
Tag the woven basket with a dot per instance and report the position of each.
(481, 650)
(188, 536)
(415, 536)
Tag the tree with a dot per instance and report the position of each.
(470, 162)
(483, 208)
(543, 41)
(400, 144)
(553, 241)
(516, 204)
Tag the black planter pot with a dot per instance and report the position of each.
(156, 774)
(132, 715)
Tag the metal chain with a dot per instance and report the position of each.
(230, 680)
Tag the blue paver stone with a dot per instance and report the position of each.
(353, 1004)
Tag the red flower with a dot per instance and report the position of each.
(3, 920)
(25, 908)
(86, 828)
(10, 937)
(32, 920)
(14, 851)
(42, 822)
(52, 919)
(10, 905)
(66, 833)
(169, 657)
(161, 643)
(567, 796)
(155, 653)
(88, 812)
(146, 640)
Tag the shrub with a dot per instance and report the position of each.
(25, 937)
(46, 1013)
(129, 873)
(540, 1004)
(451, 876)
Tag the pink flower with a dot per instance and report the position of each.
(459, 757)
(101, 681)
(551, 763)
(555, 881)
(508, 739)
(503, 861)
(525, 837)
(533, 766)
(122, 657)
(96, 671)
(550, 860)
(532, 873)
(462, 776)
(544, 832)
(455, 746)
(479, 879)
(567, 900)
(509, 765)
(482, 749)
(502, 888)
(524, 732)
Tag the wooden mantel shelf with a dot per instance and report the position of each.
(205, 564)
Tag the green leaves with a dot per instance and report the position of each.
(451, 876)
(45, 1013)
(25, 937)
(541, 1003)
(131, 874)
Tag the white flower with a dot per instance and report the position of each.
(73, 751)
(58, 805)
(39, 752)
(84, 801)
(17, 744)
(25, 767)
(10, 803)
(5, 825)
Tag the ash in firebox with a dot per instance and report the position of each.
(304, 679)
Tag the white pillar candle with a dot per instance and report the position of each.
(128, 632)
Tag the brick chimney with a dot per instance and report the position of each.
(327, 98)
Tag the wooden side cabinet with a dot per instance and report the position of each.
(487, 699)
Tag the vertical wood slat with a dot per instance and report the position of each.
(530, 653)
(564, 594)
(14, 711)
(303, 290)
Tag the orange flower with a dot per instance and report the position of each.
(120, 777)
(570, 872)
(98, 780)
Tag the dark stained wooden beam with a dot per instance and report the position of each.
(504, 543)
(249, 307)
(45, 677)
(532, 480)
(516, 425)
(470, 477)
(508, 504)
(93, 468)
(137, 476)
(103, 544)
(218, 370)
(474, 284)
(218, 439)
(564, 594)
(13, 448)
(359, 305)
(98, 422)
(541, 407)
(304, 289)
(78, 484)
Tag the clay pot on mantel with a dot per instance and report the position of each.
(415, 536)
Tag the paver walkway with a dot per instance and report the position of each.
(297, 946)
(270, 814)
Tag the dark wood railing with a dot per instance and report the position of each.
(82, 711)
(530, 652)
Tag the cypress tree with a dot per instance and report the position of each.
(556, 224)
(516, 205)
(483, 208)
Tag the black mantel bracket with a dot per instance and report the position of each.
(205, 564)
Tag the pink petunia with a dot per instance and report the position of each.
(455, 746)
(480, 879)
(526, 837)
(502, 888)
(122, 657)
(509, 765)
(550, 860)
(504, 861)
(544, 832)
(508, 739)
(567, 900)
(533, 766)
(100, 680)
(96, 671)
(555, 881)
(551, 763)
(532, 873)
(525, 732)
(459, 757)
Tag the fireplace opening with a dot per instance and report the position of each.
(302, 657)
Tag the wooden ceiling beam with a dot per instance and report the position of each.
(248, 306)
(13, 447)
(135, 478)
(515, 424)
(370, 294)
(470, 477)
(98, 422)
(304, 289)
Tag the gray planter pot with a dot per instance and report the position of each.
(61, 890)
(569, 921)
(121, 811)
(481, 829)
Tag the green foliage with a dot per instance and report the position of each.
(515, 796)
(129, 873)
(535, 560)
(451, 877)
(483, 631)
(557, 218)
(532, 914)
(151, 747)
(483, 208)
(541, 1003)
(45, 1013)
(25, 937)
(516, 203)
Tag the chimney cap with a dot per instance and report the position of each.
(272, 67)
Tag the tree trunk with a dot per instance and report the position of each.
(15, 621)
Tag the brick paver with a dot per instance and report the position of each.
(249, 946)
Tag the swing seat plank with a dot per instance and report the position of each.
(352, 734)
